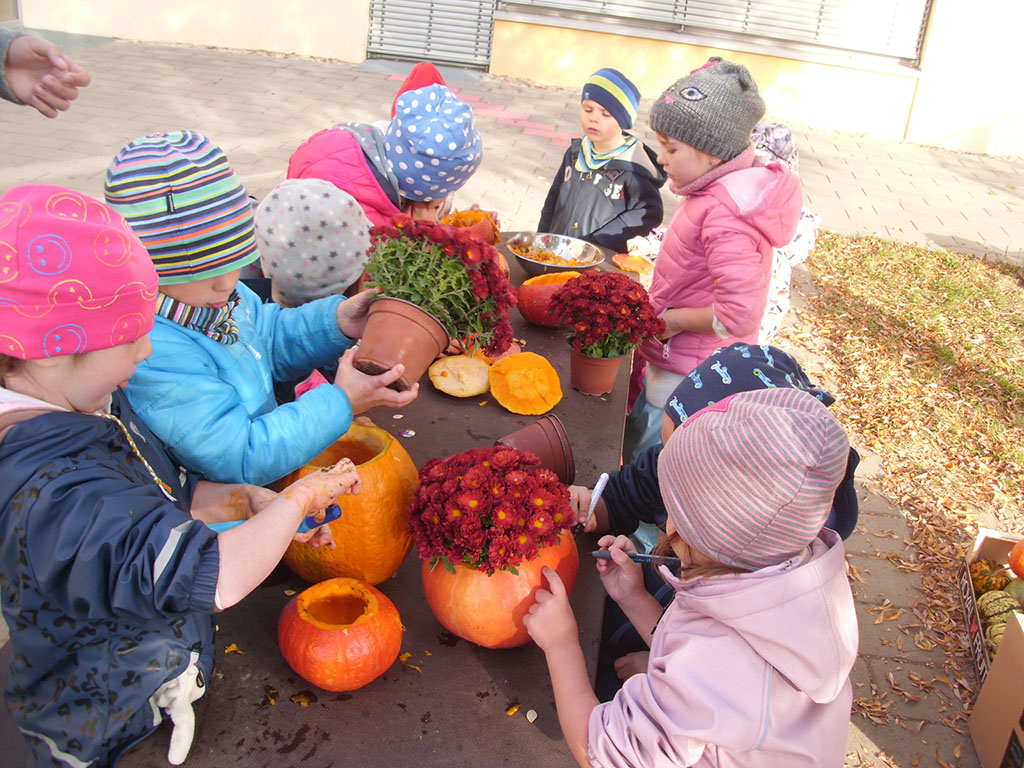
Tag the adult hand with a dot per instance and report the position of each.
(365, 392)
(352, 313)
(550, 620)
(622, 578)
(41, 75)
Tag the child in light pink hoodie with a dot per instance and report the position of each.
(750, 664)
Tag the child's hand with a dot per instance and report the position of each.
(318, 490)
(321, 536)
(352, 313)
(622, 578)
(579, 501)
(492, 214)
(366, 392)
(632, 664)
(550, 620)
(42, 76)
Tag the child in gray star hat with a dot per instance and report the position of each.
(313, 240)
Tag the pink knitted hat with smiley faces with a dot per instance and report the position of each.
(73, 276)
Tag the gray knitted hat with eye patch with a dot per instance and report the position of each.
(712, 109)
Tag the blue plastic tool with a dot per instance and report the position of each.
(333, 512)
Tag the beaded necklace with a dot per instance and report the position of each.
(152, 473)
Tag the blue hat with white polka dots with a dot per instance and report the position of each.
(432, 144)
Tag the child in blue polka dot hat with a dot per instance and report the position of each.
(427, 152)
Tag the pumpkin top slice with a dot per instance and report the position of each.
(525, 383)
(632, 262)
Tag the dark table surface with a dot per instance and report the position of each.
(446, 703)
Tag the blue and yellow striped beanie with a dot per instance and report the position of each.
(613, 91)
(188, 207)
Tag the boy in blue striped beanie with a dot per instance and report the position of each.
(606, 189)
(207, 390)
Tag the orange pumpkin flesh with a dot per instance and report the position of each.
(535, 297)
(1017, 559)
(525, 383)
(489, 610)
(480, 223)
(631, 262)
(371, 533)
(340, 634)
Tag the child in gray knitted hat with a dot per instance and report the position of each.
(711, 281)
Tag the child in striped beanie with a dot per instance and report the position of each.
(606, 189)
(750, 664)
(207, 390)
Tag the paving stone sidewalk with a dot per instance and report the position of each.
(259, 107)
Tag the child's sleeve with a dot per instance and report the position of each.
(644, 211)
(736, 254)
(203, 422)
(633, 494)
(117, 549)
(547, 213)
(299, 339)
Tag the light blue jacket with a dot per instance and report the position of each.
(213, 404)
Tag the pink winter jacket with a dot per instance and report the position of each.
(718, 252)
(335, 155)
(750, 670)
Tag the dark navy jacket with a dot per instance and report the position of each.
(106, 584)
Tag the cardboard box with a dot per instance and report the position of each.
(996, 722)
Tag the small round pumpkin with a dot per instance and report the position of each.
(1017, 559)
(340, 634)
(489, 610)
(459, 375)
(525, 383)
(480, 223)
(997, 606)
(534, 297)
(371, 535)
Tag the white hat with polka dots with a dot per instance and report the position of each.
(432, 144)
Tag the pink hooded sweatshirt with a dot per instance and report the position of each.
(750, 670)
(718, 252)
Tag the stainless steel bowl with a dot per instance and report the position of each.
(584, 255)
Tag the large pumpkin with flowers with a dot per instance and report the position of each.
(486, 523)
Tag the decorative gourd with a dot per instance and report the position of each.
(632, 262)
(997, 606)
(480, 223)
(371, 535)
(1017, 559)
(1015, 589)
(994, 636)
(535, 297)
(459, 375)
(489, 610)
(340, 634)
(525, 383)
(986, 575)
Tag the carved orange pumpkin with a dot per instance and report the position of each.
(480, 223)
(489, 610)
(535, 297)
(371, 533)
(340, 634)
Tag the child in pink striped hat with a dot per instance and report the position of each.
(109, 578)
(750, 664)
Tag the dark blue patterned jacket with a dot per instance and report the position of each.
(106, 584)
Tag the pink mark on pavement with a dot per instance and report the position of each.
(561, 142)
(396, 77)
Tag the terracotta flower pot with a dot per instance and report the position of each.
(593, 375)
(489, 610)
(547, 439)
(398, 331)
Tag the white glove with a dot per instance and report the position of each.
(176, 697)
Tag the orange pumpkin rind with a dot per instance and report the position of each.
(534, 297)
(631, 262)
(525, 383)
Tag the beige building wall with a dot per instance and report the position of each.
(335, 29)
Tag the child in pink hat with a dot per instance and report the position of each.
(750, 663)
(108, 576)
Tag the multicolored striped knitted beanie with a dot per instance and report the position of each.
(74, 278)
(616, 93)
(186, 205)
(749, 481)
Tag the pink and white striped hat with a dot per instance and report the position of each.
(749, 481)
(73, 276)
